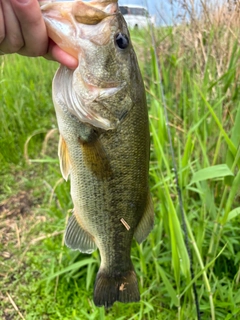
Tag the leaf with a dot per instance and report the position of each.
(232, 194)
(74, 266)
(169, 287)
(235, 137)
(218, 171)
(233, 214)
(180, 257)
(229, 142)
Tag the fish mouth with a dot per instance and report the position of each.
(107, 6)
(78, 19)
(71, 24)
(93, 12)
(79, 28)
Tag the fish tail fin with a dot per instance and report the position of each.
(121, 287)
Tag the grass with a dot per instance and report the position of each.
(42, 279)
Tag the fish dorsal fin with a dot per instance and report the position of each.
(146, 223)
(77, 238)
(64, 158)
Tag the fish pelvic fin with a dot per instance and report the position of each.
(122, 287)
(146, 223)
(64, 158)
(77, 238)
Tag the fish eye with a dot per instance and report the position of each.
(122, 40)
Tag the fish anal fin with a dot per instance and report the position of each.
(64, 158)
(77, 238)
(146, 223)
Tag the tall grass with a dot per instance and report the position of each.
(201, 76)
(24, 98)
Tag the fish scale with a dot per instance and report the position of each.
(104, 141)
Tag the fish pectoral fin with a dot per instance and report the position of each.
(96, 159)
(64, 158)
(146, 223)
(77, 238)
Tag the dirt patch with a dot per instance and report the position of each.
(13, 221)
(16, 205)
(19, 232)
(7, 317)
(14, 214)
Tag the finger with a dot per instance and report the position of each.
(13, 39)
(57, 54)
(32, 26)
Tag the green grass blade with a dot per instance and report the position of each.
(213, 172)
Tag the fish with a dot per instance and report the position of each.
(104, 143)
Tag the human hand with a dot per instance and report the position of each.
(23, 31)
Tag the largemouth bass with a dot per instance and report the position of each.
(104, 140)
